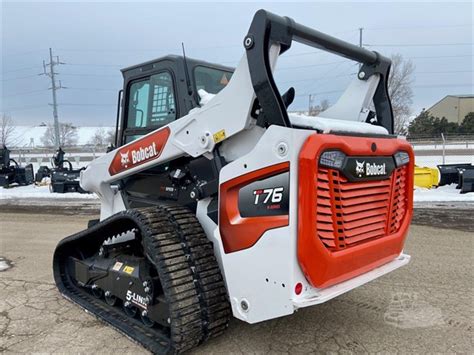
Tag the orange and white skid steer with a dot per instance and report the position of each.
(217, 201)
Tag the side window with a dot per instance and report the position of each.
(138, 104)
(163, 110)
(151, 102)
(210, 79)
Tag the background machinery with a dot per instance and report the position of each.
(64, 178)
(213, 206)
(11, 173)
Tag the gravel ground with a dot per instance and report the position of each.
(425, 307)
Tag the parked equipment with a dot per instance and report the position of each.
(449, 173)
(466, 180)
(13, 174)
(426, 177)
(63, 177)
(235, 206)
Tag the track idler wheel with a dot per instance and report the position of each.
(97, 292)
(130, 310)
(110, 299)
(145, 320)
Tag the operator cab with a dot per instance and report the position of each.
(155, 94)
(163, 90)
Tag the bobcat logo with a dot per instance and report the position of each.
(125, 159)
(360, 168)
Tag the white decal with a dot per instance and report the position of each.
(375, 169)
(125, 159)
(276, 195)
(369, 169)
(144, 153)
(136, 299)
(359, 168)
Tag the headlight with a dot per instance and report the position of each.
(401, 158)
(332, 159)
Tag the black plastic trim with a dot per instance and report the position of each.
(267, 29)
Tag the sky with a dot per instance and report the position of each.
(95, 40)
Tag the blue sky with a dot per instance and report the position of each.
(95, 40)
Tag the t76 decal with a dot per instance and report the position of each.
(140, 151)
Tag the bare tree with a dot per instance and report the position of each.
(102, 137)
(67, 135)
(99, 138)
(401, 94)
(111, 137)
(7, 129)
(315, 110)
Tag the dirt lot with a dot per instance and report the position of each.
(425, 307)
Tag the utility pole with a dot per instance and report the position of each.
(54, 87)
(310, 102)
(360, 41)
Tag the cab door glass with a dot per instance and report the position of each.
(138, 104)
(151, 102)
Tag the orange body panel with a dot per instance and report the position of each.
(348, 228)
(239, 232)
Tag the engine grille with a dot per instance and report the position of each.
(350, 213)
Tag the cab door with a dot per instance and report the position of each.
(150, 103)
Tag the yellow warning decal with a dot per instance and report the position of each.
(219, 136)
(128, 270)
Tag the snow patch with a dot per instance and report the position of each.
(4, 264)
(33, 191)
(434, 160)
(447, 193)
(327, 125)
(205, 96)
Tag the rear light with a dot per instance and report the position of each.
(332, 159)
(298, 288)
(401, 158)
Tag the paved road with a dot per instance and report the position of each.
(424, 307)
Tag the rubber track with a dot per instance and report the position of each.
(175, 243)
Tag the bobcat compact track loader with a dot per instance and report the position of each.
(212, 206)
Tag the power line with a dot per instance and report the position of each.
(312, 65)
(417, 27)
(79, 74)
(95, 65)
(86, 104)
(20, 69)
(21, 77)
(443, 72)
(21, 108)
(26, 93)
(418, 44)
(414, 86)
(92, 89)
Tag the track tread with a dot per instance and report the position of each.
(176, 244)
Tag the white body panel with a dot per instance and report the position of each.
(263, 276)
(274, 256)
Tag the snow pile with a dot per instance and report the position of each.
(205, 96)
(4, 265)
(447, 193)
(327, 125)
(33, 191)
(434, 160)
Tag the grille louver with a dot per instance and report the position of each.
(350, 213)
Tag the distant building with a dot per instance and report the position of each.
(453, 107)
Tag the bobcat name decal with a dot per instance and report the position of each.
(139, 151)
